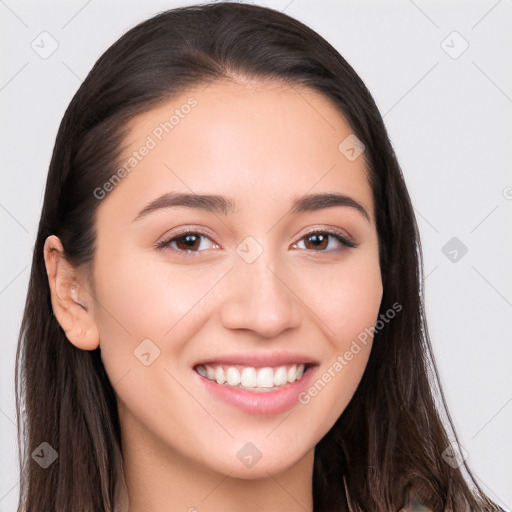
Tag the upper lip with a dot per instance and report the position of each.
(261, 359)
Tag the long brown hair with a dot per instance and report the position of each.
(390, 439)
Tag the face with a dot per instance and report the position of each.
(257, 283)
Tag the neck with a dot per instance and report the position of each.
(160, 479)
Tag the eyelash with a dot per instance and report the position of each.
(165, 244)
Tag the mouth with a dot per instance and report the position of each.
(258, 384)
(251, 378)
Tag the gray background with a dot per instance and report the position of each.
(448, 114)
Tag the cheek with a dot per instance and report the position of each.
(345, 297)
(347, 301)
(138, 300)
(148, 298)
(358, 301)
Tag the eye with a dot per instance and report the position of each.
(188, 242)
(319, 241)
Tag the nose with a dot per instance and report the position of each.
(260, 298)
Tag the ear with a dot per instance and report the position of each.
(72, 305)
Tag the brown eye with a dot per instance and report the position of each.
(316, 241)
(319, 241)
(187, 242)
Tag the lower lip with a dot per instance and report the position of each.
(260, 402)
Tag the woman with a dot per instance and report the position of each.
(225, 303)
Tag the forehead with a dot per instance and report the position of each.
(260, 142)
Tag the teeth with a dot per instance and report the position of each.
(250, 377)
(210, 373)
(265, 378)
(280, 376)
(233, 376)
(220, 377)
(292, 373)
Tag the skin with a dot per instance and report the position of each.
(263, 145)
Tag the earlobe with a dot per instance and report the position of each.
(71, 304)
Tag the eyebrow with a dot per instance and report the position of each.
(226, 205)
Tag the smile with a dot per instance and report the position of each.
(261, 384)
(249, 377)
